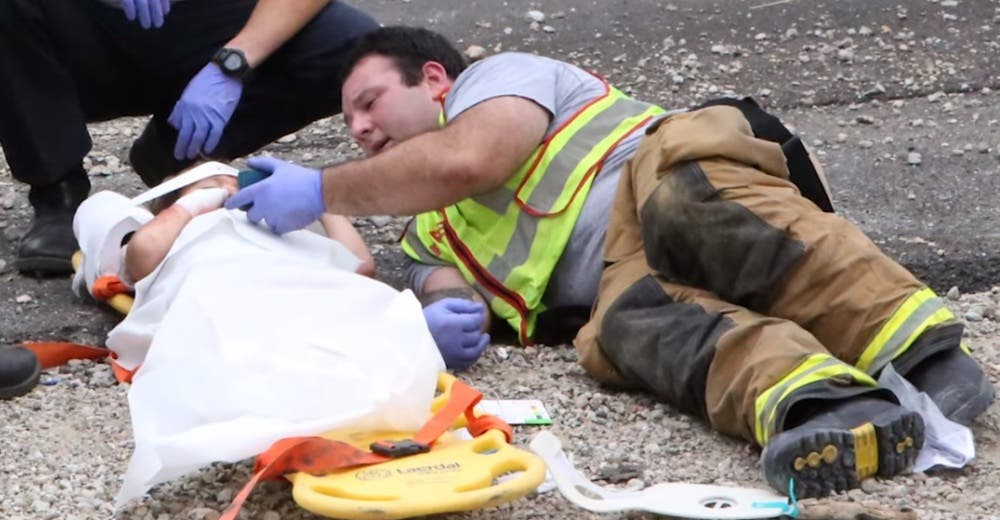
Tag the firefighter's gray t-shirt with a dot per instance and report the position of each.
(562, 90)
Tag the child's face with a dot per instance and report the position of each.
(227, 182)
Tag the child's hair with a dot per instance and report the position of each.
(164, 201)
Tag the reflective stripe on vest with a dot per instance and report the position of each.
(921, 311)
(507, 242)
(816, 367)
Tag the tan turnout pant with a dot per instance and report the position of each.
(732, 297)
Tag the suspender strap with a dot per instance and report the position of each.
(802, 171)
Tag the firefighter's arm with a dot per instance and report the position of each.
(475, 153)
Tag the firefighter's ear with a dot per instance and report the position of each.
(435, 77)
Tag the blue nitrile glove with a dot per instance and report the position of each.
(290, 198)
(149, 12)
(203, 111)
(456, 325)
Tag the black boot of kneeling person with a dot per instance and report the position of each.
(47, 247)
(19, 371)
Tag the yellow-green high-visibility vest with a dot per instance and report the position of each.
(507, 242)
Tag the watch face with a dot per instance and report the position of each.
(232, 62)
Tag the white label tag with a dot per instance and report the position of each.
(517, 411)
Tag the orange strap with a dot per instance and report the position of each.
(320, 456)
(57, 353)
(107, 286)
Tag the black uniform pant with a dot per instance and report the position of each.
(65, 63)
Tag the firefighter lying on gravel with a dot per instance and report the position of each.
(722, 289)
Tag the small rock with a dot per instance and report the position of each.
(872, 486)
(618, 473)
(866, 144)
(536, 16)
(865, 120)
(845, 54)
(502, 353)
(973, 315)
(22, 298)
(203, 513)
(635, 484)
(270, 515)
(3, 265)
(954, 294)
(548, 29)
(898, 491)
(224, 496)
(380, 220)
(841, 137)
(475, 52)
(288, 138)
(914, 159)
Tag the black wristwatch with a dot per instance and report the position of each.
(232, 62)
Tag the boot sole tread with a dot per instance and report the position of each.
(827, 461)
(44, 265)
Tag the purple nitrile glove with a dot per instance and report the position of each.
(456, 325)
(290, 198)
(149, 12)
(203, 111)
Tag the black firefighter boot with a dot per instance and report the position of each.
(840, 443)
(937, 366)
(48, 245)
(19, 371)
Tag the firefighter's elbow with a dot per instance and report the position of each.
(474, 173)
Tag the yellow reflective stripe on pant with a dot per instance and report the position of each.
(921, 311)
(816, 367)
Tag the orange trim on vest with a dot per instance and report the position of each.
(483, 276)
(594, 168)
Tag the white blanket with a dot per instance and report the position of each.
(245, 338)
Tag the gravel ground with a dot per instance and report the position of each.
(66, 444)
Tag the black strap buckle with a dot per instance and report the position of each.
(400, 448)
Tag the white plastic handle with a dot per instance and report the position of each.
(681, 500)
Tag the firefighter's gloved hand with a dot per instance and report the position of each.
(290, 198)
(149, 12)
(203, 111)
(456, 325)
